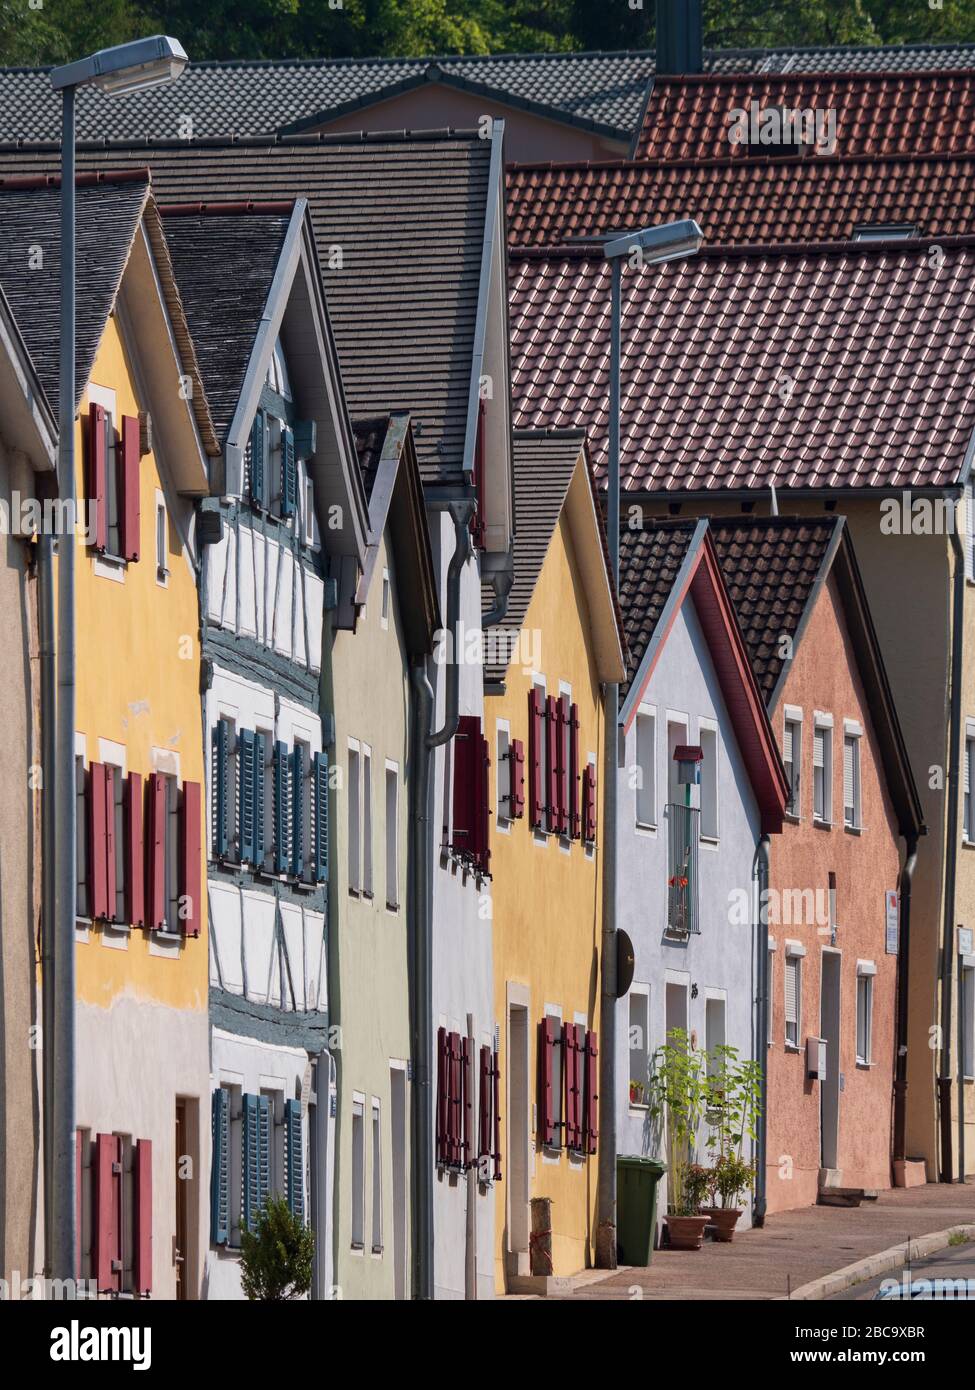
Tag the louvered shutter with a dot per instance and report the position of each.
(220, 1168)
(848, 781)
(535, 734)
(108, 1225)
(548, 1036)
(297, 813)
(573, 1100)
(289, 472)
(135, 897)
(516, 769)
(442, 1105)
(819, 747)
(969, 533)
(787, 743)
(190, 857)
(258, 462)
(97, 862)
(156, 851)
(482, 846)
(484, 1106)
(561, 770)
(129, 509)
(97, 480)
(245, 808)
(142, 1201)
(321, 816)
(591, 1103)
(466, 1102)
(260, 777)
(455, 1098)
(589, 803)
(221, 791)
(575, 825)
(79, 1201)
(967, 766)
(257, 1156)
(282, 818)
(496, 1113)
(466, 782)
(791, 973)
(295, 1158)
(111, 866)
(551, 763)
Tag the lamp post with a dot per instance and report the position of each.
(130, 67)
(646, 246)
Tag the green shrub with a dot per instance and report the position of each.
(276, 1257)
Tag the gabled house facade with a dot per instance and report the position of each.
(535, 1098)
(287, 504)
(690, 855)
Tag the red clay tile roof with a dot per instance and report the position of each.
(743, 200)
(876, 113)
(844, 366)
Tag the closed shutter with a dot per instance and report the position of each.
(245, 809)
(591, 1102)
(142, 1234)
(129, 477)
(849, 805)
(135, 896)
(792, 999)
(294, 1158)
(297, 813)
(484, 1107)
(496, 1113)
(454, 1098)
(589, 803)
(561, 767)
(79, 1202)
(320, 762)
(282, 802)
(466, 780)
(788, 743)
(575, 825)
(549, 1033)
(551, 763)
(535, 722)
(97, 847)
(466, 1102)
(258, 462)
(111, 866)
(442, 1105)
(108, 1213)
(289, 474)
(516, 769)
(257, 1156)
(969, 533)
(819, 748)
(967, 769)
(573, 1098)
(156, 851)
(221, 791)
(97, 479)
(220, 1168)
(190, 857)
(482, 801)
(260, 778)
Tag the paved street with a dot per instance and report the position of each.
(956, 1263)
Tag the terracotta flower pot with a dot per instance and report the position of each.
(686, 1232)
(723, 1221)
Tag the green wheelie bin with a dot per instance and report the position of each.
(636, 1207)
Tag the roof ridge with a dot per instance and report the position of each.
(447, 135)
(739, 162)
(84, 179)
(592, 250)
(718, 79)
(281, 208)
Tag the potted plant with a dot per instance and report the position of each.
(731, 1111)
(638, 1092)
(677, 1097)
(727, 1180)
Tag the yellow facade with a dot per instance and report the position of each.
(547, 903)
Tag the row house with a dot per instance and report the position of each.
(287, 506)
(534, 1094)
(690, 850)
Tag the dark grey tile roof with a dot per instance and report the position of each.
(600, 90)
(224, 310)
(399, 226)
(650, 560)
(370, 436)
(108, 214)
(544, 462)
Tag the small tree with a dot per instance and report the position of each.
(678, 1092)
(276, 1257)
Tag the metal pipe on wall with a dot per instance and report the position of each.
(49, 782)
(946, 1173)
(761, 1027)
(903, 1000)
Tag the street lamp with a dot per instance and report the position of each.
(129, 67)
(645, 246)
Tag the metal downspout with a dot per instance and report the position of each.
(951, 860)
(761, 1040)
(49, 781)
(903, 982)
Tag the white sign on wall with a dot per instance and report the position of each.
(892, 920)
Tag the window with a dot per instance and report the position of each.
(793, 999)
(504, 790)
(970, 532)
(162, 569)
(377, 1181)
(277, 373)
(646, 789)
(851, 780)
(392, 837)
(551, 1079)
(83, 908)
(353, 820)
(676, 733)
(639, 1041)
(714, 1034)
(114, 537)
(384, 613)
(558, 1083)
(172, 855)
(968, 1020)
(884, 231)
(358, 1172)
(709, 783)
(538, 756)
(792, 758)
(116, 862)
(968, 771)
(822, 772)
(223, 784)
(366, 821)
(865, 976)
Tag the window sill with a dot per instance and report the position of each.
(968, 844)
(637, 1109)
(368, 893)
(376, 1252)
(793, 817)
(861, 1065)
(354, 893)
(820, 824)
(392, 907)
(712, 840)
(646, 826)
(853, 829)
(793, 1047)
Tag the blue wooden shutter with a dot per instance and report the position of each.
(321, 816)
(295, 1158)
(282, 822)
(246, 810)
(223, 803)
(260, 760)
(264, 1131)
(220, 1169)
(258, 462)
(289, 474)
(297, 813)
(252, 1161)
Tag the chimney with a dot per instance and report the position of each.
(680, 37)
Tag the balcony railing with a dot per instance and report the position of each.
(684, 833)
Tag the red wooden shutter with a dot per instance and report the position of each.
(108, 1226)
(190, 857)
(129, 475)
(496, 1113)
(589, 803)
(568, 1067)
(561, 800)
(454, 1098)
(467, 1104)
(466, 750)
(592, 1093)
(97, 488)
(516, 769)
(484, 1105)
(535, 718)
(551, 763)
(442, 1104)
(549, 1031)
(574, 822)
(142, 1244)
(156, 852)
(111, 878)
(135, 896)
(97, 847)
(482, 847)
(593, 802)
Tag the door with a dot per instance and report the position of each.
(829, 1029)
(397, 1117)
(182, 1202)
(519, 1101)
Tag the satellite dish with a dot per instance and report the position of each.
(625, 963)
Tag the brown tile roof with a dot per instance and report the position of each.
(370, 436)
(843, 366)
(743, 200)
(650, 560)
(876, 113)
(771, 566)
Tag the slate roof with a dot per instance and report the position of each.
(399, 226)
(771, 566)
(544, 463)
(370, 436)
(600, 90)
(841, 366)
(743, 200)
(876, 114)
(224, 311)
(650, 560)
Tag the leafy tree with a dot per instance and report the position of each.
(276, 1258)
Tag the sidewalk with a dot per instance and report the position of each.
(794, 1245)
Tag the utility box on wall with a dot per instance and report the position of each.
(816, 1059)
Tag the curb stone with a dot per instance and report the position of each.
(869, 1268)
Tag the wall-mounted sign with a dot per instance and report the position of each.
(892, 918)
(966, 941)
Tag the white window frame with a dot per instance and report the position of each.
(392, 836)
(553, 1152)
(853, 738)
(645, 797)
(161, 541)
(376, 1161)
(682, 722)
(710, 832)
(638, 992)
(354, 799)
(503, 777)
(794, 954)
(715, 996)
(384, 606)
(866, 972)
(793, 719)
(367, 865)
(823, 723)
(357, 1170)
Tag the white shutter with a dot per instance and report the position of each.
(969, 536)
(849, 751)
(819, 747)
(968, 765)
(787, 745)
(792, 1000)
